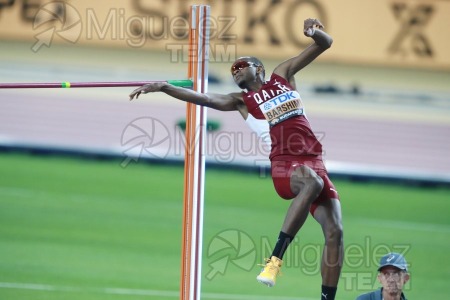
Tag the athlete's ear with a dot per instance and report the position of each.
(260, 71)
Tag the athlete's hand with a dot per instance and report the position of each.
(147, 88)
(310, 26)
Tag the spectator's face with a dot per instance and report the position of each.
(393, 279)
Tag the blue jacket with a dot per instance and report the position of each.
(375, 295)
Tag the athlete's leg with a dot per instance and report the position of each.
(306, 185)
(328, 214)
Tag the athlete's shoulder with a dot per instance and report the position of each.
(278, 79)
(275, 76)
(237, 96)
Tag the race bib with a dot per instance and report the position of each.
(282, 107)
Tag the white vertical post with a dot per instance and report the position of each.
(191, 261)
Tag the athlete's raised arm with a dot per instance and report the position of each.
(322, 41)
(223, 102)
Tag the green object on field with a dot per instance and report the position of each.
(211, 125)
(181, 83)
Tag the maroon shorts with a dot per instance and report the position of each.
(282, 168)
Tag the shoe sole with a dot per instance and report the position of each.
(266, 282)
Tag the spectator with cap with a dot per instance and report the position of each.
(393, 275)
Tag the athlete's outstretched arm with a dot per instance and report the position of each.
(322, 41)
(224, 102)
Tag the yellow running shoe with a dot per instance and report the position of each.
(268, 275)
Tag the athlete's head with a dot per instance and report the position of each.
(247, 68)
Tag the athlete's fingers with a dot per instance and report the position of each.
(134, 94)
(318, 24)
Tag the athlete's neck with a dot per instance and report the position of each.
(253, 86)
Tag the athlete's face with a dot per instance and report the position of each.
(243, 71)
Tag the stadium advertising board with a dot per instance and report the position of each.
(386, 32)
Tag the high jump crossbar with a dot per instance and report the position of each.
(67, 84)
(192, 226)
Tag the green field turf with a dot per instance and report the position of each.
(87, 229)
